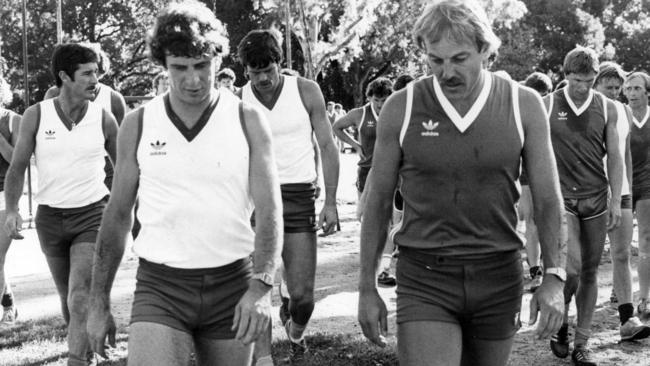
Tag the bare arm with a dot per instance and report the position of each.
(351, 119)
(315, 104)
(380, 185)
(113, 232)
(7, 147)
(539, 160)
(614, 166)
(20, 158)
(118, 106)
(52, 92)
(110, 136)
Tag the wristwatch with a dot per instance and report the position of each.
(557, 272)
(264, 277)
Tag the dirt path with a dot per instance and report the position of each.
(336, 295)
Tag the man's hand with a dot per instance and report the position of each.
(359, 151)
(373, 317)
(253, 313)
(14, 224)
(548, 300)
(328, 219)
(99, 326)
(614, 215)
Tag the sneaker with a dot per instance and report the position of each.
(386, 279)
(643, 309)
(581, 356)
(633, 329)
(285, 315)
(560, 342)
(297, 350)
(9, 315)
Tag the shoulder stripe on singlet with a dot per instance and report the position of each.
(363, 116)
(550, 106)
(407, 112)
(517, 111)
(38, 120)
(104, 123)
(602, 97)
(242, 121)
(139, 132)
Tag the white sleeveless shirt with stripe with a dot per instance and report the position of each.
(195, 203)
(70, 163)
(103, 98)
(623, 129)
(292, 132)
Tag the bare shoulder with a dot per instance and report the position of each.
(309, 89)
(393, 112)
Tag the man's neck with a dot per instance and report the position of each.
(639, 111)
(268, 95)
(190, 113)
(72, 106)
(577, 99)
(464, 104)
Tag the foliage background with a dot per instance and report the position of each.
(342, 44)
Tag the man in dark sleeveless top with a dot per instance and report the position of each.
(583, 131)
(456, 139)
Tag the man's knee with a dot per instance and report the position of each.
(620, 254)
(589, 275)
(77, 301)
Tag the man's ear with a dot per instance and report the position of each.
(64, 76)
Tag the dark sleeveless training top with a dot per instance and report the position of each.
(640, 149)
(460, 187)
(578, 137)
(367, 135)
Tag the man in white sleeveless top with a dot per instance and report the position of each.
(107, 97)
(456, 138)
(198, 159)
(69, 137)
(296, 111)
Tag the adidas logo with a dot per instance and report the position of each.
(49, 135)
(429, 128)
(157, 148)
(562, 115)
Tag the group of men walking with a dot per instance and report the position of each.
(225, 184)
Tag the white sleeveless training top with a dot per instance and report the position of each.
(103, 98)
(291, 130)
(623, 129)
(70, 162)
(194, 198)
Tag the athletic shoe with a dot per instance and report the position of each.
(560, 342)
(633, 329)
(386, 279)
(643, 309)
(285, 315)
(581, 356)
(9, 315)
(297, 350)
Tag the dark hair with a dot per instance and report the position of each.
(540, 82)
(610, 70)
(225, 73)
(380, 88)
(259, 48)
(186, 29)
(561, 84)
(103, 62)
(580, 60)
(401, 81)
(67, 57)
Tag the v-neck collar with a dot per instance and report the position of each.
(190, 133)
(583, 107)
(274, 99)
(643, 120)
(374, 114)
(463, 123)
(68, 122)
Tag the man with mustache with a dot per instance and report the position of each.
(456, 139)
(295, 109)
(583, 131)
(69, 137)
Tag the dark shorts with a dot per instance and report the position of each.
(626, 201)
(587, 208)
(398, 201)
(640, 193)
(482, 296)
(200, 302)
(108, 170)
(299, 207)
(362, 175)
(59, 229)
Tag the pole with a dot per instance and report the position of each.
(287, 37)
(26, 95)
(59, 23)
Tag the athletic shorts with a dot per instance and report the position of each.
(626, 201)
(59, 229)
(200, 302)
(640, 193)
(398, 201)
(299, 207)
(362, 175)
(587, 208)
(482, 296)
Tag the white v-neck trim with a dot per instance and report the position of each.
(585, 105)
(372, 108)
(463, 123)
(645, 118)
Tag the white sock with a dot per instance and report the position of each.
(264, 361)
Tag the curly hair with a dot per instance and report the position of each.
(380, 88)
(186, 29)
